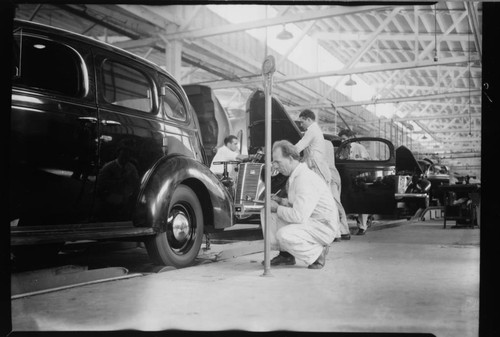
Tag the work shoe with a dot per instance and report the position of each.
(320, 262)
(345, 236)
(361, 232)
(282, 259)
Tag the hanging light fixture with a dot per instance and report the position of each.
(284, 34)
(350, 82)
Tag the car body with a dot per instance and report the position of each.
(105, 145)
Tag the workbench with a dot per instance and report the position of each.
(463, 204)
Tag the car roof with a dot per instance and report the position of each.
(18, 23)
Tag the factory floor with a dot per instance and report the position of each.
(410, 277)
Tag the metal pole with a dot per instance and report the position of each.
(268, 68)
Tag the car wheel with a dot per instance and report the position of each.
(179, 245)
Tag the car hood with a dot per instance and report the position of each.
(283, 127)
(213, 119)
(406, 161)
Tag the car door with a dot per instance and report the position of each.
(53, 129)
(129, 135)
(368, 183)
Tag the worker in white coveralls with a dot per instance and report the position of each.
(356, 151)
(313, 145)
(227, 152)
(336, 187)
(303, 225)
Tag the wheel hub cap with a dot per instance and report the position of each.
(180, 227)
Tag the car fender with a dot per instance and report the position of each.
(158, 186)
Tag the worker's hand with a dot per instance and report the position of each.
(283, 202)
(274, 206)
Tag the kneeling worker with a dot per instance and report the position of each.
(304, 224)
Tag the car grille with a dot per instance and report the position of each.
(249, 186)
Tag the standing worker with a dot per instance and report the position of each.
(313, 145)
(336, 187)
(356, 152)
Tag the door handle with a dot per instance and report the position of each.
(109, 122)
(89, 119)
(106, 138)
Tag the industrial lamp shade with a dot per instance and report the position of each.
(284, 34)
(350, 82)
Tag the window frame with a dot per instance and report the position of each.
(106, 58)
(83, 90)
(168, 86)
(387, 143)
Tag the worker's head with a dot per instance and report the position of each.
(345, 134)
(306, 118)
(231, 142)
(285, 157)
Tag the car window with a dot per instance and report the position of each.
(47, 65)
(372, 150)
(172, 105)
(126, 86)
(438, 169)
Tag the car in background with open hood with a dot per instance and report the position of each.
(376, 185)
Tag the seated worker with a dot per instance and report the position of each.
(303, 225)
(227, 152)
(356, 150)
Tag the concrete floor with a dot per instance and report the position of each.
(412, 278)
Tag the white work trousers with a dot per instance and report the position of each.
(344, 226)
(297, 239)
(363, 221)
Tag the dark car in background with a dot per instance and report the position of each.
(104, 145)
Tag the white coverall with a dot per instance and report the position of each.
(310, 222)
(224, 154)
(359, 152)
(336, 187)
(313, 145)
